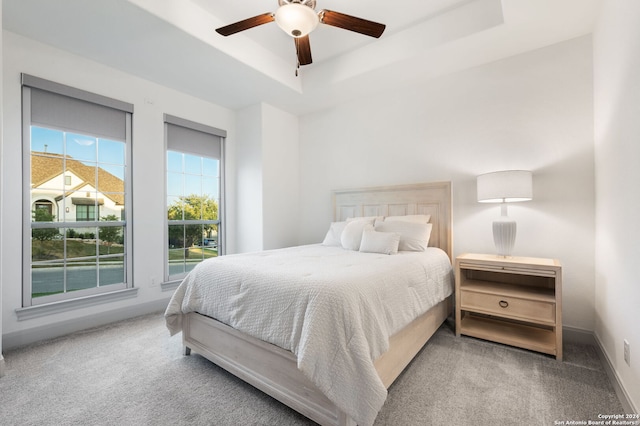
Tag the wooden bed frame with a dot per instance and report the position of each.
(274, 370)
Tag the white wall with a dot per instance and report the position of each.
(617, 140)
(268, 178)
(281, 178)
(249, 178)
(150, 101)
(533, 111)
(1, 199)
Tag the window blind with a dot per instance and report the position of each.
(193, 138)
(69, 109)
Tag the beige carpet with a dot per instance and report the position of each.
(133, 373)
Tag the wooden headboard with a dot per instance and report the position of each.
(432, 198)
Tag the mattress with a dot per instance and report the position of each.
(335, 309)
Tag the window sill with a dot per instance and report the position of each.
(170, 285)
(37, 311)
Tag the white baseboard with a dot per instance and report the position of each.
(50, 331)
(1, 365)
(588, 337)
(623, 396)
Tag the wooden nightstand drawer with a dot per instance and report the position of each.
(509, 307)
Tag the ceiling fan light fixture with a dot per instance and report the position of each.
(297, 20)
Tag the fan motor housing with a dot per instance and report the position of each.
(310, 3)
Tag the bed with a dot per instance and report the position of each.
(329, 378)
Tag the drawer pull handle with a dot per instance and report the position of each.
(503, 303)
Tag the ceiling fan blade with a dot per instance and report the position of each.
(245, 24)
(351, 23)
(303, 49)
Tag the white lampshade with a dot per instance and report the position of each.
(297, 20)
(505, 187)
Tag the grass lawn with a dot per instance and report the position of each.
(54, 249)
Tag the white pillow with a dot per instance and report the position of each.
(333, 234)
(371, 219)
(413, 236)
(418, 218)
(352, 234)
(379, 242)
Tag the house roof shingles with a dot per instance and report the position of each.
(46, 166)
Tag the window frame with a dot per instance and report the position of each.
(44, 305)
(170, 282)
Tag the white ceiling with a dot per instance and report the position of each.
(173, 42)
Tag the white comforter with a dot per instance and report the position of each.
(334, 308)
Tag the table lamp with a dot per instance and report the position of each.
(505, 187)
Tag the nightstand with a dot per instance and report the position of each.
(516, 301)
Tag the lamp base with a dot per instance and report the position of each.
(504, 235)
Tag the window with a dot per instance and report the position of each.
(85, 213)
(194, 194)
(76, 192)
(43, 207)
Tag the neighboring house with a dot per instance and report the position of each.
(72, 191)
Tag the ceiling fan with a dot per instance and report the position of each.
(298, 18)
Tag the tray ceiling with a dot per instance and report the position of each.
(173, 43)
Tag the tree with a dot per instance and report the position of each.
(109, 234)
(195, 207)
(43, 234)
